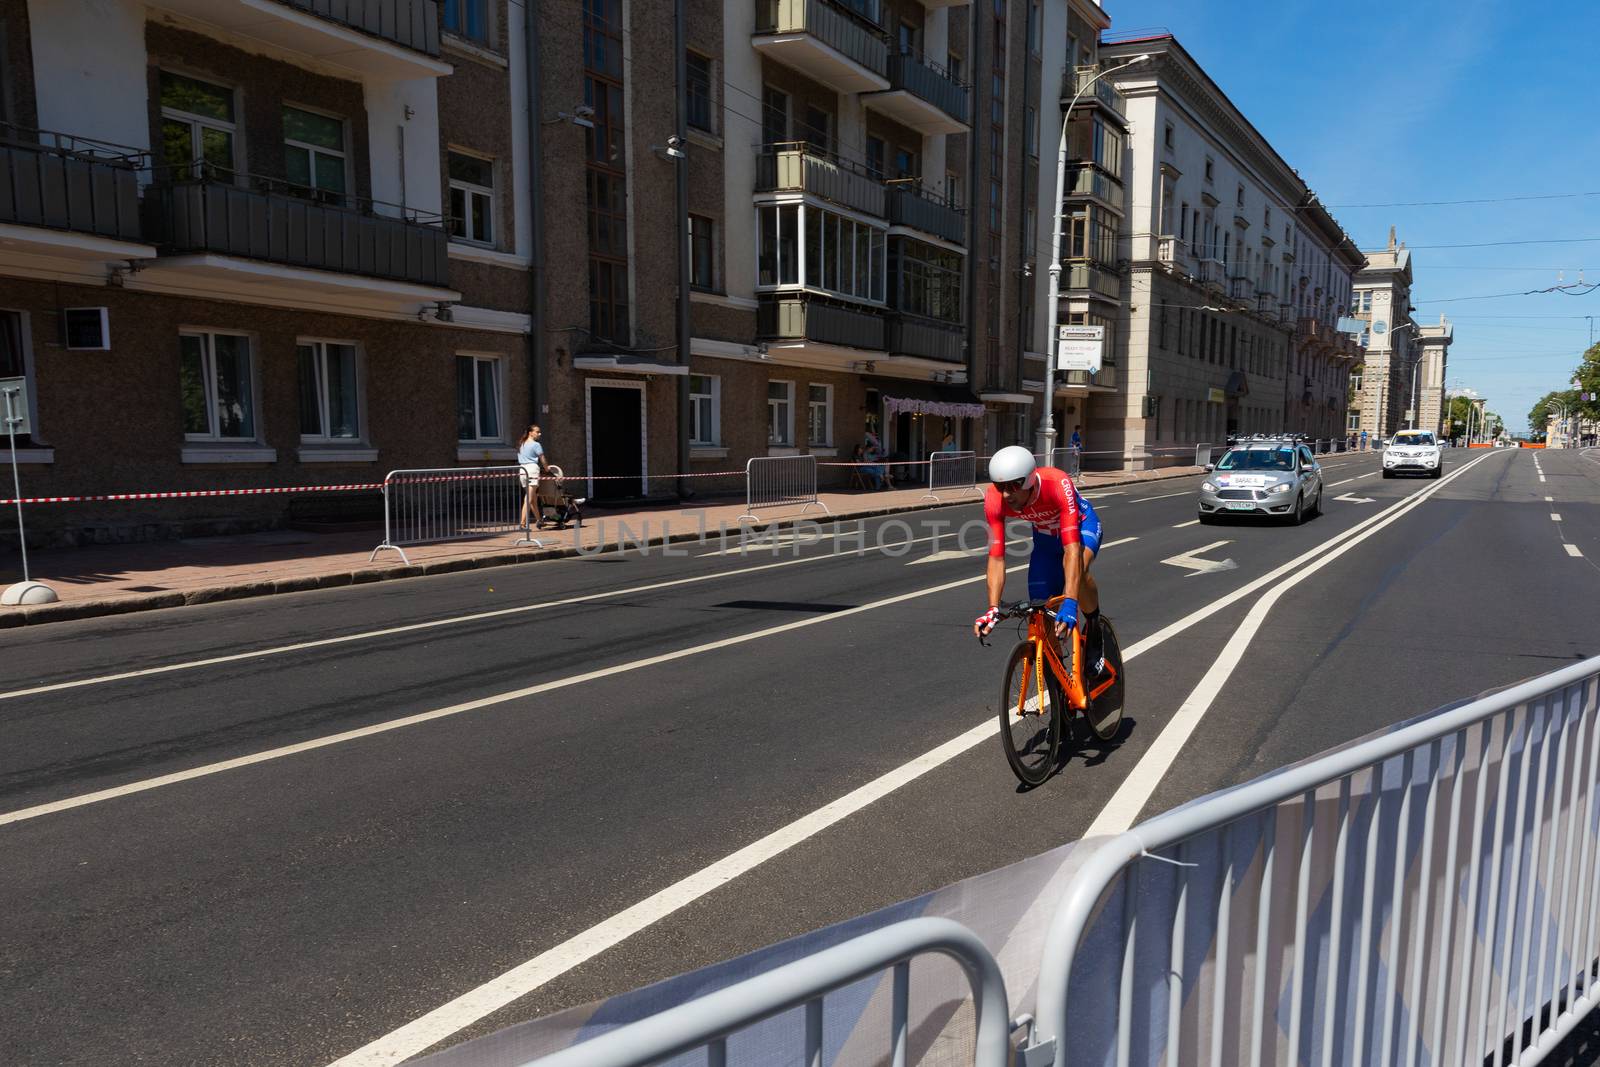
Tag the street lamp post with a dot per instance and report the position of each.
(1047, 425)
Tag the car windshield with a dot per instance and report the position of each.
(1258, 459)
(1422, 439)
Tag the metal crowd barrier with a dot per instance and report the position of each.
(1427, 895)
(951, 471)
(709, 1021)
(1202, 455)
(1067, 459)
(453, 504)
(773, 480)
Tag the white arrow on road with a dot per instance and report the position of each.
(1189, 562)
(1356, 499)
(949, 553)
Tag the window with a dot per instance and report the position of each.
(216, 381)
(816, 129)
(1033, 27)
(330, 407)
(927, 279)
(702, 246)
(1210, 168)
(313, 154)
(780, 413)
(471, 198)
(774, 117)
(954, 67)
(1355, 381)
(905, 163)
(1238, 199)
(705, 410)
(819, 424)
(1031, 131)
(907, 39)
(875, 150)
(699, 92)
(1353, 422)
(478, 398)
(1168, 136)
(197, 128)
(807, 245)
(605, 173)
(14, 365)
(952, 189)
(469, 18)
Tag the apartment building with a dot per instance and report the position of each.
(260, 244)
(1382, 301)
(1236, 274)
(1428, 376)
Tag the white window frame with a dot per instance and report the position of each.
(826, 405)
(497, 361)
(196, 122)
(714, 411)
(468, 191)
(208, 368)
(787, 413)
(319, 346)
(318, 150)
(30, 393)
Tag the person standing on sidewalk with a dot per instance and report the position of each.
(530, 454)
(1077, 440)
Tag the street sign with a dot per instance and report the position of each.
(1380, 326)
(1080, 347)
(1346, 324)
(17, 391)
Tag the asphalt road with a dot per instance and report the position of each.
(275, 831)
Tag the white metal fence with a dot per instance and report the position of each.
(453, 504)
(1427, 895)
(1069, 460)
(952, 472)
(774, 481)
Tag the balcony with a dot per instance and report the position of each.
(1172, 252)
(914, 209)
(923, 97)
(1213, 274)
(1241, 289)
(1088, 180)
(910, 335)
(803, 317)
(67, 196)
(800, 168)
(388, 39)
(200, 220)
(1266, 304)
(1100, 94)
(825, 42)
(1085, 274)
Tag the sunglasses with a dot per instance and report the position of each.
(1011, 487)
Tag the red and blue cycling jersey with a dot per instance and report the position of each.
(1060, 516)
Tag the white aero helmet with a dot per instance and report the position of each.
(1010, 464)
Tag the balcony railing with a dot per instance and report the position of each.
(911, 207)
(1102, 92)
(811, 318)
(1266, 304)
(412, 23)
(1086, 274)
(913, 336)
(1172, 252)
(927, 82)
(60, 182)
(273, 224)
(801, 168)
(1213, 273)
(830, 24)
(1088, 180)
(1241, 289)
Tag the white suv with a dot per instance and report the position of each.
(1413, 452)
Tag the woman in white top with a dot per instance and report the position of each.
(530, 453)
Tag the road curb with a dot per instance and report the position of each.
(126, 605)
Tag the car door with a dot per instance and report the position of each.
(1310, 473)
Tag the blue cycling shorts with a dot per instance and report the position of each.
(1046, 576)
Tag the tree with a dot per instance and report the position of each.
(1549, 404)
(1495, 424)
(1587, 377)
(1456, 418)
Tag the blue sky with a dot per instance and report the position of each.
(1397, 103)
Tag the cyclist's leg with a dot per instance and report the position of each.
(1046, 575)
(1089, 532)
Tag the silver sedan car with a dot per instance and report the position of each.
(1277, 478)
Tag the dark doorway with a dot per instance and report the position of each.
(616, 442)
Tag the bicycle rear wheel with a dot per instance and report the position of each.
(1104, 713)
(1030, 716)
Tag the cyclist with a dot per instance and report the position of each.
(1066, 537)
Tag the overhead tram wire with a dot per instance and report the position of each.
(1456, 203)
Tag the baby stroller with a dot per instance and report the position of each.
(554, 495)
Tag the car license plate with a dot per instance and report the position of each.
(1240, 505)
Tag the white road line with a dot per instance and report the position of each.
(1135, 791)
(499, 613)
(1163, 496)
(1181, 525)
(477, 1003)
(1341, 483)
(85, 799)
(1102, 496)
(1573, 550)
(1541, 477)
(1114, 544)
(1555, 516)
(1549, 500)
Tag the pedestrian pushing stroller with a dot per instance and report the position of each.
(553, 495)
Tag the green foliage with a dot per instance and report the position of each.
(1548, 404)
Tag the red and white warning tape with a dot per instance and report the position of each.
(186, 493)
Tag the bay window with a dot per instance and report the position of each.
(806, 246)
(927, 279)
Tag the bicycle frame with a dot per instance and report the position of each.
(1041, 633)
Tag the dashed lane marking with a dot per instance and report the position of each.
(1555, 516)
(1573, 550)
(1191, 522)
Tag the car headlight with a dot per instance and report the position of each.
(1207, 487)
(1281, 487)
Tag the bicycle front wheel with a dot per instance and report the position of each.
(1030, 715)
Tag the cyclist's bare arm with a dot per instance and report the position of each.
(995, 580)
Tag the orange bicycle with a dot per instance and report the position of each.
(1041, 691)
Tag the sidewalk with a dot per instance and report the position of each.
(114, 579)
